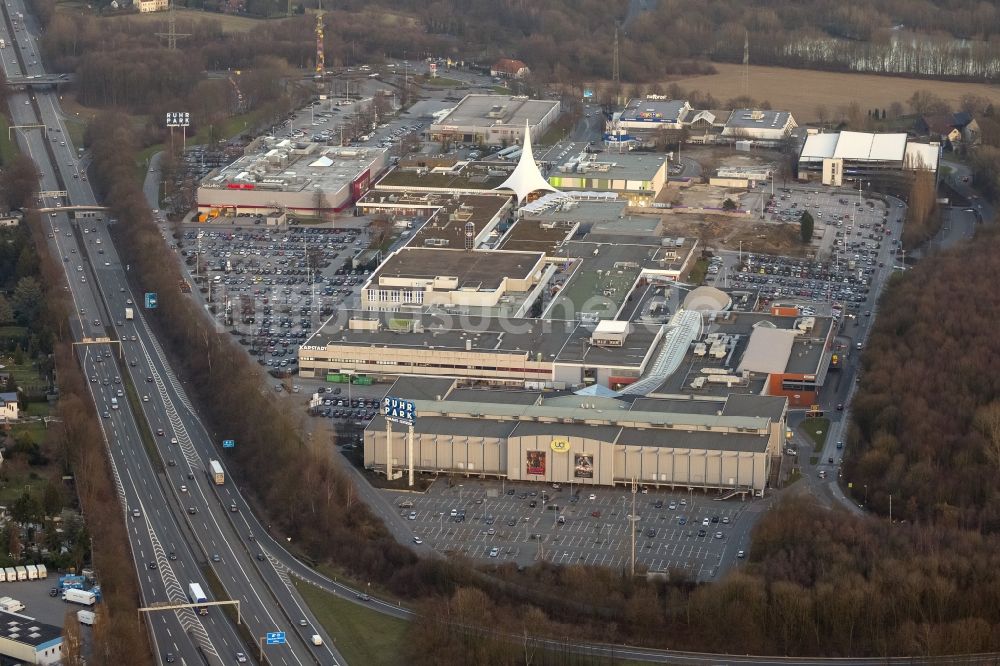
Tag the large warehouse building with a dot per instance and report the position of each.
(495, 120)
(292, 176)
(727, 443)
(835, 157)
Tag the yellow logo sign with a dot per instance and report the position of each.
(560, 445)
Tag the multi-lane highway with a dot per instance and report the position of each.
(183, 528)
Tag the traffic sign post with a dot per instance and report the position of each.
(229, 443)
(150, 300)
(271, 638)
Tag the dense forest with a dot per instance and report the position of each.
(922, 419)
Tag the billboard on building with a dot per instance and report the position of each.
(361, 185)
(583, 466)
(535, 462)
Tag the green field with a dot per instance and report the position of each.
(816, 430)
(360, 634)
(698, 272)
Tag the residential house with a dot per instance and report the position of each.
(146, 6)
(967, 125)
(506, 68)
(955, 128)
(8, 407)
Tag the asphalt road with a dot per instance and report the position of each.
(156, 509)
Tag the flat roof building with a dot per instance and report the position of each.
(515, 351)
(26, 640)
(759, 126)
(637, 178)
(495, 120)
(294, 176)
(419, 276)
(525, 436)
(653, 112)
(836, 157)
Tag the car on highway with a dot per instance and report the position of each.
(740, 554)
(136, 513)
(241, 658)
(159, 432)
(718, 535)
(216, 558)
(152, 565)
(169, 658)
(260, 557)
(192, 510)
(145, 398)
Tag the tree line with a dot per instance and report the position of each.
(928, 380)
(76, 441)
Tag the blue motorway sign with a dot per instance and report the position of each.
(229, 443)
(275, 638)
(399, 411)
(150, 300)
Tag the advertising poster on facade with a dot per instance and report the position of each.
(535, 462)
(583, 465)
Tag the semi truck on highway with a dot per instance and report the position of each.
(129, 314)
(218, 476)
(82, 597)
(197, 596)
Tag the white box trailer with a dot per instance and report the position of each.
(85, 597)
(3, 575)
(32, 571)
(22, 573)
(11, 605)
(43, 573)
(11, 574)
(86, 617)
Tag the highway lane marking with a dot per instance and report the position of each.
(175, 593)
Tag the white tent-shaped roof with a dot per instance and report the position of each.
(526, 178)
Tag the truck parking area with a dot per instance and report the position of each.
(682, 532)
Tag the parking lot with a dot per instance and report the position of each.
(273, 286)
(685, 532)
(857, 240)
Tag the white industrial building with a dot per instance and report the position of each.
(836, 157)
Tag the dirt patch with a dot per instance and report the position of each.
(801, 91)
(720, 232)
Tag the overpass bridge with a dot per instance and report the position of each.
(39, 80)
